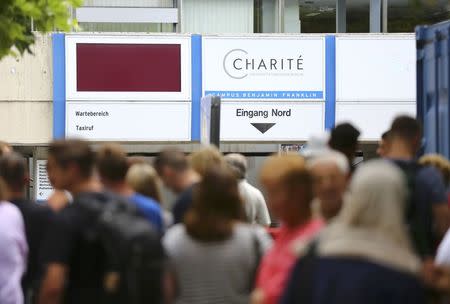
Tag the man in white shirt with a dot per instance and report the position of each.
(254, 202)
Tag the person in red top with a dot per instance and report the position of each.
(288, 186)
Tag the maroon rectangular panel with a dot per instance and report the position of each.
(129, 67)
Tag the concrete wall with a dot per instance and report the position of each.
(26, 95)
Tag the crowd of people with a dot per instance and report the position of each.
(332, 231)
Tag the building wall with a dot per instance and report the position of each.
(26, 95)
(216, 16)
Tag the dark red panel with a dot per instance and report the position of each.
(129, 67)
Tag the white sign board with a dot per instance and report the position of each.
(372, 118)
(264, 68)
(270, 121)
(376, 68)
(129, 121)
(43, 186)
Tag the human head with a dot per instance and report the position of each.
(238, 164)
(112, 164)
(377, 200)
(205, 158)
(144, 180)
(407, 130)
(330, 175)
(317, 145)
(288, 186)
(344, 138)
(383, 146)
(172, 167)
(440, 163)
(216, 206)
(5, 148)
(70, 162)
(13, 170)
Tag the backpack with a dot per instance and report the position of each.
(132, 249)
(420, 234)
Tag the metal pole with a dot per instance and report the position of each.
(375, 16)
(180, 16)
(281, 6)
(385, 16)
(341, 16)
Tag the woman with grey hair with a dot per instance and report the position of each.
(254, 202)
(365, 255)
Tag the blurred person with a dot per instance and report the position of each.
(254, 202)
(206, 157)
(177, 175)
(13, 252)
(443, 165)
(288, 185)
(317, 145)
(427, 212)
(58, 200)
(112, 167)
(344, 138)
(440, 163)
(383, 146)
(73, 272)
(365, 255)
(143, 178)
(81, 252)
(5, 148)
(330, 176)
(174, 170)
(213, 254)
(37, 218)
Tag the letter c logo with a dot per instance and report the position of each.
(229, 66)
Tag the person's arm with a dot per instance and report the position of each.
(52, 289)
(441, 218)
(169, 287)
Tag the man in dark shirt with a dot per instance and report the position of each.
(74, 263)
(112, 167)
(177, 175)
(428, 191)
(344, 138)
(37, 218)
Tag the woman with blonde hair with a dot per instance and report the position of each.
(365, 255)
(143, 178)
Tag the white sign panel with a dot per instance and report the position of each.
(129, 121)
(372, 118)
(43, 186)
(270, 121)
(376, 68)
(264, 68)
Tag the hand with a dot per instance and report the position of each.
(436, 276)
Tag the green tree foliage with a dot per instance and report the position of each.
(16, 36)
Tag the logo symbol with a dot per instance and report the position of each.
(229, 66)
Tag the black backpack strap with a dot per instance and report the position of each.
(418, 230)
